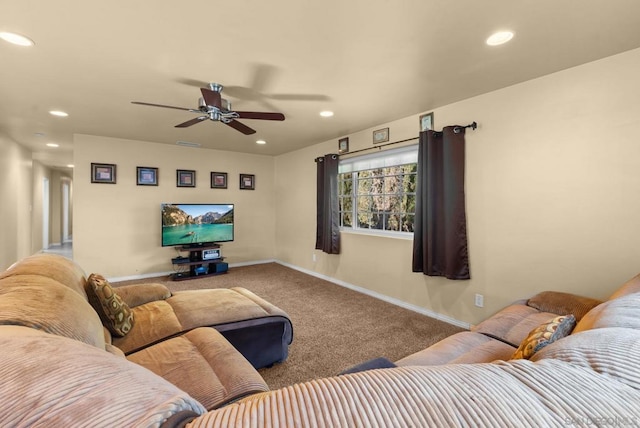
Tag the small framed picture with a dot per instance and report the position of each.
(185, 178)
(103, 173)
(343, 145)
(147, 176)
(218, 180)
(247, 182)
(426, 122)
(381, 136)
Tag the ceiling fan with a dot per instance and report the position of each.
(213, 107)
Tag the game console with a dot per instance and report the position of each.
(211, 254)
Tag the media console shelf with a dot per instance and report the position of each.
(198, 265)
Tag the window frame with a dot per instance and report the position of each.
(392, 157)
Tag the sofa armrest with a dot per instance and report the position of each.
(562, 303)
(139, 294)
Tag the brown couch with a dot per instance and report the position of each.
(498, 337)
(164, 332)
(55, 374)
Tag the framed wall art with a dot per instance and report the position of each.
(103, 173)
(426, 122)
(218, 180)
(247, 182)
(146, 176)
(185, 178)
(381, 136)
(343, 145)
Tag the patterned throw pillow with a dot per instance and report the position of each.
(547, 333)
(115, 314)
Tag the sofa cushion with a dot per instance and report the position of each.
(545, 334)
(563, 303)
(155, 321)
(53, 381)
(464, 347)
(45, 304)
(194, 307)
(513, 323)
(205, 365)
(115, 314)
(620, 312)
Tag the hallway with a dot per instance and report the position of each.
(65, 250)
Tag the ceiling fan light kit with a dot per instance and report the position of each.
(213, 107)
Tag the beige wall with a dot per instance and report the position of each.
(117, 227)
(16, 191)
(552, 183)
(552, 196)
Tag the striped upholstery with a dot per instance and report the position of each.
(53, 381)
(46, 304)
(500, 394)
(217, 372)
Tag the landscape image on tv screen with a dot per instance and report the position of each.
(193, 224)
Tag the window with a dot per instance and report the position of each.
(377, 192)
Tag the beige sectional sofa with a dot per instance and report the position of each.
(167, 333)
(59, 374)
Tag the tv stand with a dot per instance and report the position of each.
(198, 267)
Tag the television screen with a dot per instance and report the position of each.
(196, 224)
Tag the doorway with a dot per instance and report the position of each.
(45, 213)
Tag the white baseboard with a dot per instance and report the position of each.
(157, 274)
(380, 296)
(341, 283)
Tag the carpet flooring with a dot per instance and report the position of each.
(334, 327)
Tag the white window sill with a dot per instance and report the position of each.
(380, 233)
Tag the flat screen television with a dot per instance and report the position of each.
(196, 225)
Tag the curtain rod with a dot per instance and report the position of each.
(473, 125)
(379, 146)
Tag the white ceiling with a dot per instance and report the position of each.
(369, 61)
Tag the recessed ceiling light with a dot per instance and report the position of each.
(326, 113)
(261, 142)
(16, 39)
(499, 38)
(53, 145)
(70, 165)
(58, 113)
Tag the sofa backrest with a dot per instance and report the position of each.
(46, 292)
(620, 312)
(52, 266)
(629, 287)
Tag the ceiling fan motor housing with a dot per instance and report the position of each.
(225, 105)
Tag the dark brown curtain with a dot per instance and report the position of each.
(440, 231)
(327, 219)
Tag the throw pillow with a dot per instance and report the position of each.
(114, 312)
(547, 333)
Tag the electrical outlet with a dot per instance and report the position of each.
(313, 257)
(479, 300)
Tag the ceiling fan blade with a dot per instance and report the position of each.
(192, 122)
(240, 127)
(212, 98)
(163, 106)
(260, 115)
